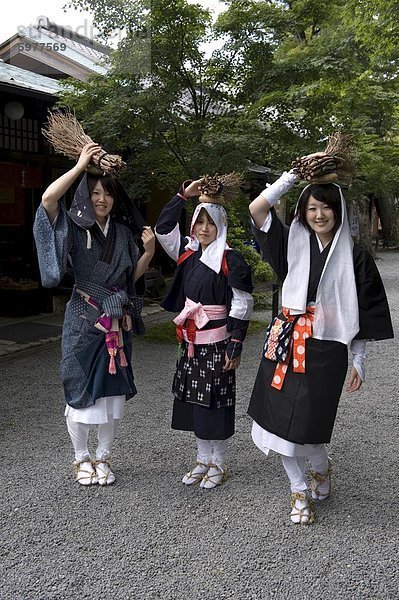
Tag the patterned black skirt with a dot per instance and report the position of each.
(204, 393)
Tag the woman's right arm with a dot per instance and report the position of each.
(167, 228)
(260, 207)
(57, 189)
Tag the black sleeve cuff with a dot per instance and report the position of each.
(237, 328)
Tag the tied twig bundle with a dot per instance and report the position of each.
(336, 162)
(220, 189)
(67, 136)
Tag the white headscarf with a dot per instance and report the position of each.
(213, 255)
(336, 312)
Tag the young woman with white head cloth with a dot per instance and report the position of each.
(333, 295)
(212, 292)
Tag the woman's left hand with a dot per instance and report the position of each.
(193, 189)
(230, 365)
(354, 382)
(148, 239)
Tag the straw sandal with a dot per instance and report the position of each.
(319, 490)
(84, 472)
(196, 474)
(301, 508)
(104, 474)
(215, 478)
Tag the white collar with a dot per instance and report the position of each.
(106, 228)
(337, 313)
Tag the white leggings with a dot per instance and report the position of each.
(79, 434)
(295, 466)
(212, 451)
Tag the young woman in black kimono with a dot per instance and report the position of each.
(334, 293)
(212, 291)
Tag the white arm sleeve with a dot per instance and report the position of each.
(358, 349)
(267, 224)
(274, 191)
(242, 305)
(170, 242)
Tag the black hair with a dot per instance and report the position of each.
(107, 181)
(124, 209)
(329, 194)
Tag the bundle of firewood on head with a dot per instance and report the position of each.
(335, 163)
(220, 189)
(67, 136)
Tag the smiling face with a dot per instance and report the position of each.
(205, 229)
(102, 203)
(321, 219)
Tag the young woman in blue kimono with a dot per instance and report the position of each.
(333, 291)
(212, 292)
(101, 253)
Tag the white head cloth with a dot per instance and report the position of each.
(336, 312)
(213, 255)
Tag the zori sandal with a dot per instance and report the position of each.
(196, 474)
(104, 474)
(214, 477)
(84, 472)
(302, 508)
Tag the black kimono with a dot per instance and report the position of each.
(204, 394)
(304, 410)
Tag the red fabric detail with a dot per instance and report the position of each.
(301, 332)
(225, 266)
(179, 334)
(189, 252)
(190, 330)
(183, 256)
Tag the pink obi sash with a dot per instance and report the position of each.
(209, 336)
(196, 316)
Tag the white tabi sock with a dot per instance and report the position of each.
(79, 434)
(295, 468)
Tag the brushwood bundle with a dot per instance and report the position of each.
(336, 162)
(67, 136)
(220, 189)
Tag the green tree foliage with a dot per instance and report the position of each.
(284, 76)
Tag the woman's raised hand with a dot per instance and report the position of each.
(87, 154)
(148, 239)
(58, 188)
(193, 189)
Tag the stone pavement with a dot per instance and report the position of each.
(149, 537)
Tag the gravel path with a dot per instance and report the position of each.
(149, 537)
